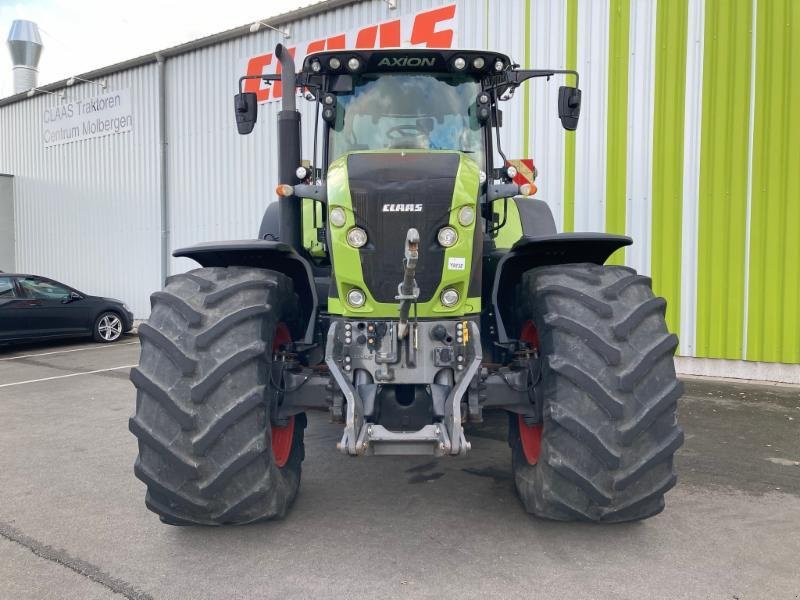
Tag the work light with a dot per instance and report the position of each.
(449, 297)
(356, 237)
(466, 215)
(356, 298)
(338, 216)
(447, 237)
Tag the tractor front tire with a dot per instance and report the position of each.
(604, 450)
(207, 450)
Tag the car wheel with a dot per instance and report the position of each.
(108, 327)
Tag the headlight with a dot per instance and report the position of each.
(449, 297)
(526, 189)
(356, 237)
(316, 66)
(353, 64)
(498, 65)
(478, 62)
(447, 236)
(301, 173)
(459, 63)
(356, 298)
(334, 63)
(466, 216)
(511, 171)
(338, 216)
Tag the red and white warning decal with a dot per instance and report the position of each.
(526, 171)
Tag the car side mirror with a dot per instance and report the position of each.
(569, 107)
(246, 111)
(72, 297)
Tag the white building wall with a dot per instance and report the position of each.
(87, 212)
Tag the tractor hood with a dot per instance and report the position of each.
(386, 193)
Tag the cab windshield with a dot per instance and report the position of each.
(408, 111)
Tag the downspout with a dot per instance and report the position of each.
(162, 168)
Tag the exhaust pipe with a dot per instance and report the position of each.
(290, 208)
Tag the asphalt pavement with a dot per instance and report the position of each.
(73, 522)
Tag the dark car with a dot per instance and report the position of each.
(33, 307)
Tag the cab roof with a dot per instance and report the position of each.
(478, 63)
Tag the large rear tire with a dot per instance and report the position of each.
(207, 451)
(604, 450)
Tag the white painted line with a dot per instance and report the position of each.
(98, 347)
(65, 376)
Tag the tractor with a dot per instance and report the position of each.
(405, 284)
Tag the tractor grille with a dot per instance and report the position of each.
(413, 180)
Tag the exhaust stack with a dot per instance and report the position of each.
(290, 209)
(25, 45)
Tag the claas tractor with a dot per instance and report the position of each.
(404, 283)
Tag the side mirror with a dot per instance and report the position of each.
(246, 110)
(72, 297)
(569, 107)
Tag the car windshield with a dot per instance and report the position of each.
(408, 111)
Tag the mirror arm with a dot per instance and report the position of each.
(515, 78)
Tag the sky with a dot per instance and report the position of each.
(81, 35)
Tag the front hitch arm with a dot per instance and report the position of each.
(408, 291)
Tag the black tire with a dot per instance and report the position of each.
(609, 429)
(203, 390)
(101, 331)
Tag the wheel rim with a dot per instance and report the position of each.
(110, 327)
(530, 436)
(282, 436)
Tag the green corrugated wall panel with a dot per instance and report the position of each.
(617, 127)
(668, 130)
(723, 177)
(773, 316)
(569, 136)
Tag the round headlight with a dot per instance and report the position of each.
(483, 98)
(447, 236)
(449, 297)
(334, 63)
(329, 99)
(499, 65)
(301, 173)
(356, 298)
(356, 237)
(338, 216)
(459, 63)
(316, 66)
(478, 63)
(466, 215)
(353, 64)
(511, 171)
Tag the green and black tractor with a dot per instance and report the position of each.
(404, 283)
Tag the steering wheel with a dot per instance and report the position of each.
(399, 132)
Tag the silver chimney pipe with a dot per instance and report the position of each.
(25, 45)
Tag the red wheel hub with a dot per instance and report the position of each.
(282, 436)
(530, 436)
